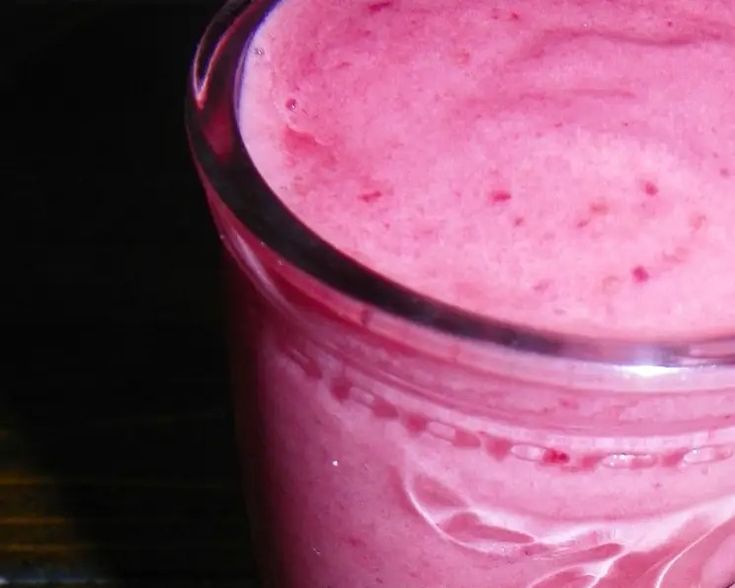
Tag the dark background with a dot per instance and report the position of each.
(117, 456)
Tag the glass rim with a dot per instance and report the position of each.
(222, 157)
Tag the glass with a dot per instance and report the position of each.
(392, 440)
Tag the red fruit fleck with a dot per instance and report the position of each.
(640, 274)
(498, 448)
(291, 103)
(384, 409)
(518, 221)
(341, 389)
(415, 423)
(515, 16)
(650, 188)
(378, 6)
(355, 542)
(371, 196)
(555, 456)
(725, 172)
(500, 196)
(590, 461)
(673, 459)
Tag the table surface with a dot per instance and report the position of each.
(117, 456)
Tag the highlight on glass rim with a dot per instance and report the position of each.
(481, 273)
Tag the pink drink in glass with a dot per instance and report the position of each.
(483, 278)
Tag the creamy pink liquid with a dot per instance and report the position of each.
(569, 165)
(565, 165)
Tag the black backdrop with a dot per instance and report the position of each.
(117, 458)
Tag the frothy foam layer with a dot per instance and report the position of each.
(567, 165)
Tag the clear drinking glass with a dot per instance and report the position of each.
(391, 440)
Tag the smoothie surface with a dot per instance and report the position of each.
(564, 165)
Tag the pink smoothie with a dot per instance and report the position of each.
(566, 165)
(569, 165)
